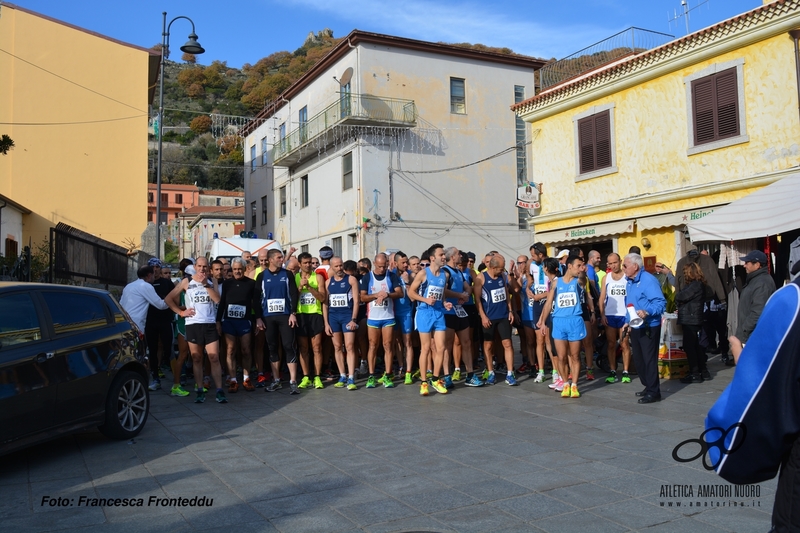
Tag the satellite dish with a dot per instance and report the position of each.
(347, 75)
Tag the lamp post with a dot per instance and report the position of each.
(191, 47)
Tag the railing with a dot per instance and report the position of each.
(630, 41)
(348, 109)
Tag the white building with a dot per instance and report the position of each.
(387, 143)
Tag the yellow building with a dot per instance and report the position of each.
(75, 104)
(629, 152)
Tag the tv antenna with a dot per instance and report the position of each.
(685, 14)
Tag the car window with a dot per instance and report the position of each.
(19, 322)
(73, 312)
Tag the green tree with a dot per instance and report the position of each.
(6, 144)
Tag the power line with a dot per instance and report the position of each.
(498, 154)
(69, 123)
(70, 81)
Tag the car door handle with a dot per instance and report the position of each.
(42, 357)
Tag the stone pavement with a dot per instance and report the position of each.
(492, 459)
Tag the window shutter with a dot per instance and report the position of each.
(602, 132)
(703, 106)
(727, 104)
(586, 143)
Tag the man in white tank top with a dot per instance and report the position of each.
(612, 311)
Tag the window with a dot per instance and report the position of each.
(218, 201)
(253, 158)
(237, 202)
(336, 244)
(715, 107)
(164, 217)
(178, 198)
(595, 142)
(347, 171)
(302, 119)
(263, 151)
(263, 210)
(253, 215)
(283, 201)
(458, 100)
(304, 191)
(149, 216)
(164, 198)
(19, 322)
(150, 199)
(74, 312)
(344, 100)
(12, 248)
(282, 134)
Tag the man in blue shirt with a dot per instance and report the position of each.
(644, 293)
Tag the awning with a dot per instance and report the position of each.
(580, 233)
(768, 211)
(677, 218)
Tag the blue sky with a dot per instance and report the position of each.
(244, 31)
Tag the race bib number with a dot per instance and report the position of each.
(498, 295)
(276, 305)
(201, 298)
(617, 291)
(384, 303)
(539, 289)
(435, 292)
(306, 298)
(338, 300)
(567, 299)
(236, 311)
(460, 312)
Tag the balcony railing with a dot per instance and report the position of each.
(626, 42)
(348, 110)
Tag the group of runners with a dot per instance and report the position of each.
(437, 318)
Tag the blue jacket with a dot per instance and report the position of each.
(644, 292)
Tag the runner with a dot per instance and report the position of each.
(310, 324)
(158, 327)
(340, 313)
(260, 340)
(612, 313)
(403, 312)
(233, 320)
(378, 289)
(456, 320)
(538, 285)
(275, 302)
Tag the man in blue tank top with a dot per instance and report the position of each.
(403, 313)
(457, 321)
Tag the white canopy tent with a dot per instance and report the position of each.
(768, 211)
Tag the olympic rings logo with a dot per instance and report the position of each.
(705, 445)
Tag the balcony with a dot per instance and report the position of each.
(625, 43)
(323, 129)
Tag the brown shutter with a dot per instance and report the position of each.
(703, 107)
(727, 104)
(586, 143)
(602, 134)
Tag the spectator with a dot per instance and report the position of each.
(691, 300)
(757, 290)
(709, 268)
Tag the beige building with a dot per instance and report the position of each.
(76, 104)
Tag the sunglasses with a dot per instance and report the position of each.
(521, 262)
(424, 264)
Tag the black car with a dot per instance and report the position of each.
(70, 358)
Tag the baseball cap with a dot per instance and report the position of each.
(154, 262)
(190, 270)
(325, 253)
(471, 255)
(562, 253)
(756, 256)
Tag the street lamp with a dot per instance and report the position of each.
(191, 47)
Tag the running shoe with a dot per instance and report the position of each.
(201, 396)
(474, 381)
(533, 371)
(573, 393)
(565, 390)
(523, 368)
(539, 377)
(183, 380)
(305, 383)
(248, 385)
(409, 379)
(612, 377)
(155, 384)
(448, 382)
(554, 376)
(161, 374)
(179, 391)
(206, 383)
(261, 381)
(318, 383)
(428, 374)
(228, 380)
(221, 397)
(380, 380)
(439, 387)
(560, 385)
(485, 374)
(363, 368)
(371, 382)
(556, 382)
(294, 388)
(457, 374)
(490, 379)
(589, 374)
(511, 380)
(351, 385)
(415, 375)
(423, 389)
(387, 381)
(625, 377)
(342, 382)
(233, 387)
(272, 387)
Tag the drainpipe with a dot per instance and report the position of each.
(795, 35)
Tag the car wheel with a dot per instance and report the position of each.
(127, 406)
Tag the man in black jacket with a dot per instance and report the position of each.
(757, 290)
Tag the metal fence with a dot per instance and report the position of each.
(79, 256)
(631, 41)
